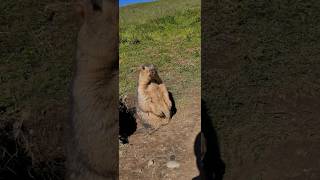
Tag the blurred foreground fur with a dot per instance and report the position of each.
(92, 152)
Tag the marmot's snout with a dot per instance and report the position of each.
(153, 73)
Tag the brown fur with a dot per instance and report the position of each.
(154, 104)
(92, 152)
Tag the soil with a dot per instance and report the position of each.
(145, 155)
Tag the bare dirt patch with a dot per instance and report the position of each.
(146, 156)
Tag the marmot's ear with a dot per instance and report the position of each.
(142, 67)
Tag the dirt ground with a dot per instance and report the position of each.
(261, 85)
(145, 156)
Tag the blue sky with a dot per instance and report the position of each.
(126, 2)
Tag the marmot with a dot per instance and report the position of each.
(154, 104)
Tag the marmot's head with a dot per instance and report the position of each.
(147, 73)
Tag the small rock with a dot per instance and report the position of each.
(173, 164)
(150, 163)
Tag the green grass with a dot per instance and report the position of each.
(142, 13)
(166, 34)
(37, 48)
(36, 54)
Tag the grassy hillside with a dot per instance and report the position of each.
(141, 13)
(164, 33)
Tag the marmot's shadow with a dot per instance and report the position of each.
(127, 122)
(173, 108)
(197, 152)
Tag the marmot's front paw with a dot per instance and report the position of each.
(165, 121)
(159, 113)
(167, 114)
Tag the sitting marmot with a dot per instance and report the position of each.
(154, 104)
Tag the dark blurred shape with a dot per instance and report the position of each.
(127, 122)
(173, 108)
(211, 167)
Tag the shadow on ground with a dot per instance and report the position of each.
(127, 122)
(173, 109)
(209, 162)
